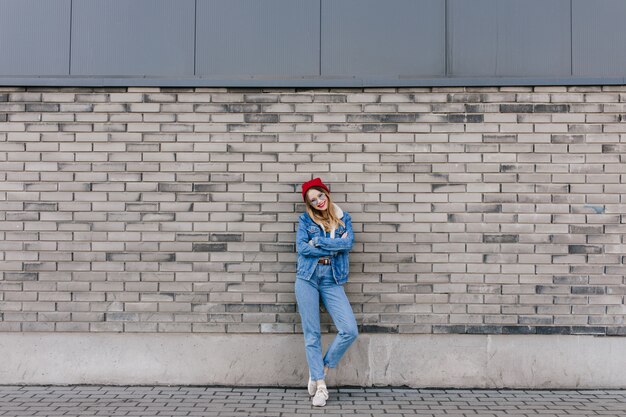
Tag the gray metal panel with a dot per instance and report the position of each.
(306, 82)
(276, 43)
(245, 38)
(390, 39)
(34, 37)
(599, 43)
(138, 37)
(529, 38)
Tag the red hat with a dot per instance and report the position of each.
(315, 182)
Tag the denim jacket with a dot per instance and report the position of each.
(312, 243)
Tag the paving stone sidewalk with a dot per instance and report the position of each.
(89, 400)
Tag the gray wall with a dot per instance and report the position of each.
(311, 42)
(174, 210)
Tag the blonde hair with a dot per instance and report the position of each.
(327, 217)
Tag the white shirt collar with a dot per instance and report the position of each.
(339, 214)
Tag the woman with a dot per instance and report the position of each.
(323, 242)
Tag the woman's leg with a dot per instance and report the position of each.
(308, 299)
(340, 310)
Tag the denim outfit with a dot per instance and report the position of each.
(312, 242)
(315, 281)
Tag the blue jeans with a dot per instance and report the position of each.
(334, 298)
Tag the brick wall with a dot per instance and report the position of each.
(475, 210)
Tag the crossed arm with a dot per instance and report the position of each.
(324, 246)
(343, 244)
(304, 248)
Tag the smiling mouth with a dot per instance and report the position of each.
(321, 205)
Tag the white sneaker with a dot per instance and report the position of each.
(311, 387)
(321, 395)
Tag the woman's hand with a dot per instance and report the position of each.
(344, 235)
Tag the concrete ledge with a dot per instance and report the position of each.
(447, 360)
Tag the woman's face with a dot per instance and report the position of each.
(317, 199)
